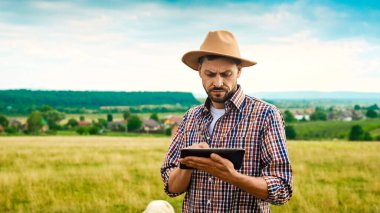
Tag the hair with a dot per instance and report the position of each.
(214, 57)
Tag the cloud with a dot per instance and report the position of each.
(302, 62)
(138, 46)
(48, 5)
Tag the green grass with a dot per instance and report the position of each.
(322, 130)
(121, 174)
(334, 177)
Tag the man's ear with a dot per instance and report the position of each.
(199, 69)
(239, 67)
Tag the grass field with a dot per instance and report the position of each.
(121, 174)
(333, 129)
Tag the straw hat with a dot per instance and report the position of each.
(219, 42)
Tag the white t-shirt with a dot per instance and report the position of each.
(216, 114)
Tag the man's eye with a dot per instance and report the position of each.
(226, 74)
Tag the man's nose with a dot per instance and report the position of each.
(218, 81)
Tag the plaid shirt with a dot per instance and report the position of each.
(248, 123)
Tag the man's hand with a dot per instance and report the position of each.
(221, 168)
(179, 179)
(215, 165)
(199, 145)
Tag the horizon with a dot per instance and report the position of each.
(137, 46)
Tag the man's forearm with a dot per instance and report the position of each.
(255, 186)
(179, 180)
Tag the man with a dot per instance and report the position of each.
(228, 119)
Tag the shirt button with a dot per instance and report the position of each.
(208, 138)
(210, 179)
(208, 202)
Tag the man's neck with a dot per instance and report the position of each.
(217, 105)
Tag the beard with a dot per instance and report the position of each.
(222, 94)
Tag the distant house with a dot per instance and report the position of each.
(1, 129)
(150, 125)
(347, 119)
(84, 123)
(357, 115)
(172, 120)
(118, 126)
(309, 111)
(300, 117)
(344, 114)
(15, 123)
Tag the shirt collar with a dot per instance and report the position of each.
(236, 100)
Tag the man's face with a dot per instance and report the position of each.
(219, 79)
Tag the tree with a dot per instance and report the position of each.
(82, 130)
(371, 113)
(319, 114)
(94, 130)
(72, 123)
(289, 117)
(46, 108)
(102, 123)
(154, 116)
(53, 117)
(168, 131)
(134, 123)
(12, 129)
(374, 107)
(34, 122)
(81, 118)
(356, 133)
(367, 136)
(357, 107)
(109, 117)
(3, 121)
(290, 132)
(126, 114)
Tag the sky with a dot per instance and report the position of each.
(120, 45)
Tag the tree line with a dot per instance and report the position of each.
(24, 101)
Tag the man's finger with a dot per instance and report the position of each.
(201, 163)
(203, 145)
(217, 158)
(220, 161)
(197, 160)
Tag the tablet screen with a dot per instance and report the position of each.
(234, 155)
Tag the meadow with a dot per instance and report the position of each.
(122, 174)
(333, 129)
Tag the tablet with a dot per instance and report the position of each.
(234, 155)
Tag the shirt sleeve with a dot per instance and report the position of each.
(277, 171)
(172, 156)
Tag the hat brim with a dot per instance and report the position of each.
(191, 59)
